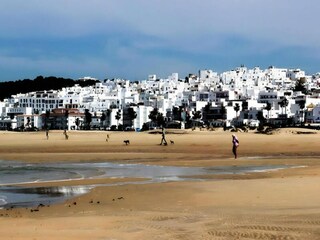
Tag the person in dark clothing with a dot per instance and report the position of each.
(163, 139)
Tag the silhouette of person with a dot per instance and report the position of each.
(47, 133)
(66, 136)
(163, 139)
(235, 145)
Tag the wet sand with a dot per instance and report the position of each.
(282, 204)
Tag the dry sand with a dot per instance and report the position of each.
(283, 204)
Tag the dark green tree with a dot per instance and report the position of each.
(197, 115)
(40, 83)
(87, 118)
(156, 117)
(118, 116)
(284, 103)
(160, 119)
(132, 114)
(207, 107)
(28, 122)
(108, 112)
(176, 113)
(66, 115)
(300, 85)
(244, 105)
(236, 108)
(77, 123)
(302, 105)
(268, 108)
(261, 119)
(153, 115)
(102, 119)
(223, 112)
(188, 121)
(46, 120)
(206, 111)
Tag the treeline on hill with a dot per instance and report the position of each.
(40, 83)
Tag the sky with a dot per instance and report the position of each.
(132, 39)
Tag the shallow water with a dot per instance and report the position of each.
(17, 172)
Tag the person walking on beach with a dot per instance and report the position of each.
(47, 134)
(163, 139)
(235, 144)
(66, 136)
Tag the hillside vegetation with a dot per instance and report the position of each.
(40, 83)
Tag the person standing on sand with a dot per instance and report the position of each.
(235, 144)
(163, 139)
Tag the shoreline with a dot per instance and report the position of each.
(282, 204)
(68, 188)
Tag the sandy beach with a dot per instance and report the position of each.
(282, 204)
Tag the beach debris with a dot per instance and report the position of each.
(119, 198)
(74, 203)
(37, 209)
(304, 132)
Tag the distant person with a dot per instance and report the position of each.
(47, 134)
(235, 145)
(163, 139)
(65, 133)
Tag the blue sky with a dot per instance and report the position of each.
(134, 38)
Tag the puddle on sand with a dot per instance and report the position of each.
(16, 172)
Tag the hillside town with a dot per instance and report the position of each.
(240, 97)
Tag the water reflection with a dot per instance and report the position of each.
(15, 172)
